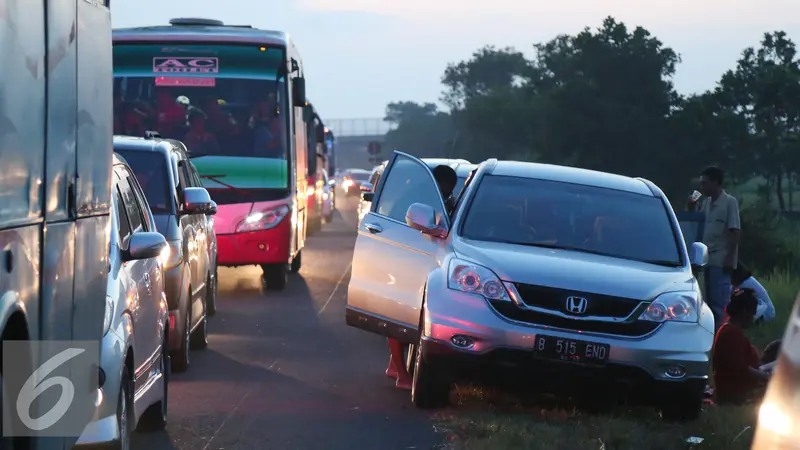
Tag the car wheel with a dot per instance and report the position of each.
(155, 417)
(211, 293)
(180, 359)
(200, 334)
(275, 277)
(429, 388)
(124, 412)
(685, 406)
(411, 357)
(297, 262)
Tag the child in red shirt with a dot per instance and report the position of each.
(736, 362)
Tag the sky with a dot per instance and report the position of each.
(359, 55)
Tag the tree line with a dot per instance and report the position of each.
(604, 99)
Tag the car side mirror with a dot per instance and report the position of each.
(212, 210)
(422, 217)
(144, 245)
(367, 196)
(196, 201)
(698, 255)
(332, 183)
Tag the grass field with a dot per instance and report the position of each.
(486, 419)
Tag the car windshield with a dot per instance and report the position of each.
(551, 214)
(150, 169)
(226, 103)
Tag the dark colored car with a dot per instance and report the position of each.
(180, 206)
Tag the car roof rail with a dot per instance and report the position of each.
(152, 135)
(196, 22)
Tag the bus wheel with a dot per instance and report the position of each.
(275, 277)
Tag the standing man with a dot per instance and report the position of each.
(721, 236)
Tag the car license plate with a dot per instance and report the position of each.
(570, 350)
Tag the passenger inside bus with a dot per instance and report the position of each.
(198, 139)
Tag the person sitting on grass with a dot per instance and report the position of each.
(742, 278)
(740, 372)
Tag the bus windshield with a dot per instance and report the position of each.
(226, 103)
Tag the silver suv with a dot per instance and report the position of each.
(558, 273)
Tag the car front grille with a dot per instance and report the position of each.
(634, 328)
(554, 299)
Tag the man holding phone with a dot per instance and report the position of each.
(721, 236)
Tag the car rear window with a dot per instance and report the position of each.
(533, 212)
(150, 169)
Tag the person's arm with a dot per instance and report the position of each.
(734, 226)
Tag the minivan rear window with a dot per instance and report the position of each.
(150, 169)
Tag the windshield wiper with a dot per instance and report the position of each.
(660, 262)
(215, 179)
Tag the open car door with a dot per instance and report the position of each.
(391, 260)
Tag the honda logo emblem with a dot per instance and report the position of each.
(577, 305)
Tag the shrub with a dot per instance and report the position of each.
(769, 241)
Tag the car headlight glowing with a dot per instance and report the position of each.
(673, 307)
(473, 278)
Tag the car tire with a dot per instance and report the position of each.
(124, 411)
(411, 357)
(180, 358)
(275, 277)
(199, 340)
(155, 417)
(211, 293)
(685, 406)
(297, 262)
(429, 389)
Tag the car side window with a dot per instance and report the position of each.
(141, 204)
(122, 219)
(408, 182)
(129, 199)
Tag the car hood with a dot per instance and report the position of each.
(575, 271)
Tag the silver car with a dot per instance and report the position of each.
(574, 279)
(134, 352)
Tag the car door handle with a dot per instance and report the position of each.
(373, 228)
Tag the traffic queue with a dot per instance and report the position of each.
(120, 249)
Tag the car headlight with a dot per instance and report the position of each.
(108, 315)
(465, 276)
(673, 307)
(263, 220)
(172, 255)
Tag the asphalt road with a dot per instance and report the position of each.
(283, 371)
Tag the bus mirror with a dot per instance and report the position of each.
(299, 91)
(308, 114)
(320, 131)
